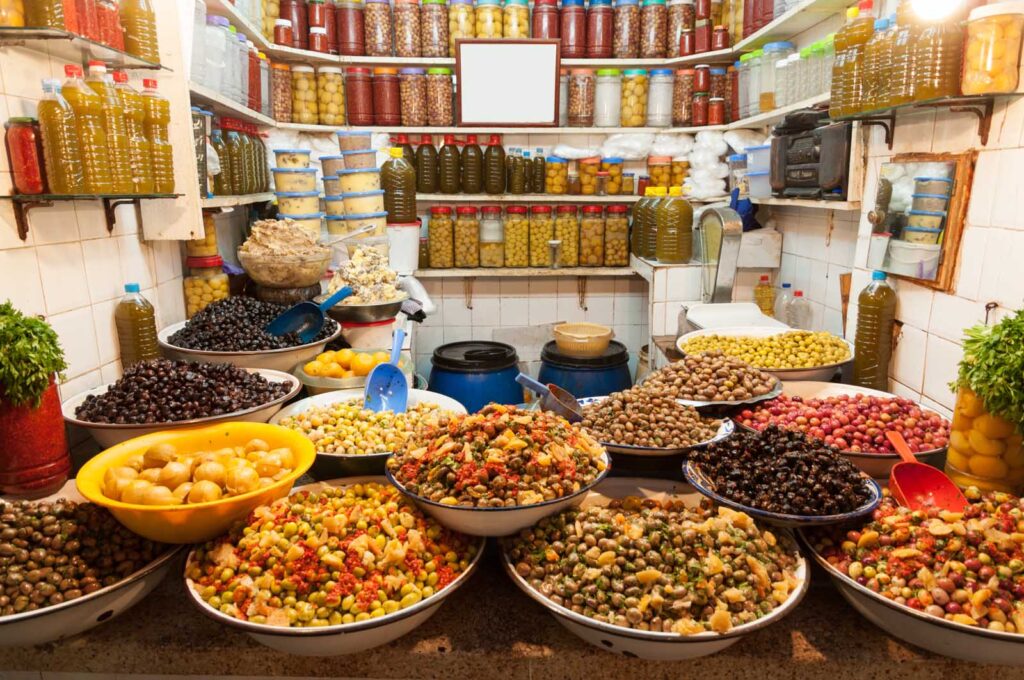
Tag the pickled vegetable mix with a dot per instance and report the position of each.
(329, 557)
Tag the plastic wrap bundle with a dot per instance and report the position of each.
(740, 140)
(575, 152)
(672, 145)
(707, 170)
(628, 147)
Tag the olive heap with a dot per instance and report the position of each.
(161, 391)
(710, 376)
(55, 552)
(237, 324)
(793, 349)
(641, 417)
(783, 472)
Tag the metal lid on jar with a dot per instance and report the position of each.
(441, 210)
(385, 71)
(593, 209)
(566, 208)
(516, 210)
(356, 70)
(540, 209)
(466, 210)
(590, 160)
(618, 208)
(303, 68)
(491, 209)
(336, 70)
(305, 151)
(202, 262)
(658, 159)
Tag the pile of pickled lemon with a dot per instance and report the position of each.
(793, 349)
(346, 363)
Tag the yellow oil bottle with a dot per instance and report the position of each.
(114, 126)
(901, 75)
(88, 108)
(140, 156)
(874, 85)
(158, 119)
(860, 33)
(841, 43)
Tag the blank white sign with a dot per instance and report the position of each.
(507, 84)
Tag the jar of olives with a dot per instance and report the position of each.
(542, 230)
(304, 108)
(516, 21)
(592, 236)
(517, 237)
(412, 87)
(488, 19)
(461, 22)
(434, 28)
(492, 237)
(589, 167)
(567, 230)
(616, 236)
(281, 92)
(556, 177)
(660, 170)
(441, 237)
(378, 28)
(613, 166)
(206, 282)
(330, 95)
(467, 237)
(633, 110)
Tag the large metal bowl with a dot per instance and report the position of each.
(380, 311)
(277, 359)
(824, 373)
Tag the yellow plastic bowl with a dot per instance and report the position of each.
(194, 522)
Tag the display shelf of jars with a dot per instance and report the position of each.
(24, 203)
(456, 130)
(794, 21)
(233, 201)
(523, 198)
(221, 105)
(226, 8)
(71, 48)
(763, 119)
(809, 203)
(533, 272)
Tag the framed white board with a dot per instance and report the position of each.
(507, 83)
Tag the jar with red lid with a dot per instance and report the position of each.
(719, 38)
(316, 13)
(205, 283)
(109, 20)
(25, 155)
(318, 39)
(332, 26)
(283, 34)
(359, 95)
(600, 25)
(702, 78)
(545, 20)
(702, 36)
(296, 12)
(573, 29)
(626, 40)
(467, 237)
(351, 31)
(378, 28)
(716, 111)
(700, 109)
(387, 99)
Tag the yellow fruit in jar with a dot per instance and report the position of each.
(993, 427)
(958, 439)
(961, 422)
(1014, 454)
(381, 358)
(344, 357)
(970, 405)
(988, 466)
(956, 459)
(362, 364)
(985, 446)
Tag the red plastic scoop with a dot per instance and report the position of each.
(919, 486)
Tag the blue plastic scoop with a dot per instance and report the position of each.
(553, 398)
(386, 387)
(305, 318)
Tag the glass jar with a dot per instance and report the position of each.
(680, 169)
(316, 11)
(461, 22)
(563, 98)
(574, 186)
(332, 26)
(716, 111)
(702, 78)
(556, 177)
(573, 30)
(600, 29)
(330, 97)
(492, 237)
(592, 236)
(718, 83)
(387, 100)
(588, 169)
(488, 19)
(653, 29)
(206, 283)
(700, 109)
(467, 237)
(441, 235)
(545, 20)
(359, 95)
(659, 168)
(440, 110)
(626, 39)
(283, 34)
(304, 108)
(296, 12)
(719, 38)
(608, 99)
(992, 59)
(12, 13)
(351, 28)
(984, 450)
(567, 230)
(517, 237)
(582, 95)
(732, 102)
(773, 52)
(613, 166)
(702, 31)
(516, 20)
(25, 155)
(616, 236)
(407, 28)
(687, 43)
(377, 28)
(628, 184)
(206, 246)
(434, 28)
(412, 87)
(682, 98)
(542, 230)
(633, 110)
(680, 18)
(659, 98)
(318, 39)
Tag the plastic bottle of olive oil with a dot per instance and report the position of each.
(876, 315)
(135, 319)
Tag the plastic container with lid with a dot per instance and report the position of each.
(542, 230)
(387, 101)
(304, 104)
(659, 98)
(412, 88)
(311, 222)
(626, 38)
(476, 373)
(467, 237)
(362, 202)
(377, 28)
(682, 97)
(573, 29)
(681, 17)
(563, 98)
(517, 237)
(927, 219)
(461, 22)
(588, 169)
(298, 202)
(516, 19)
(935, 202)
(488, 19)
(377, 220)
(434, 28)
(492, 237)
(992, 63)
(354, 140)
(207, 245)
(440, 109)
(760, 184)
(556, 176)
(633, 107)
(296, 13)
(205, 283)
(660, 170)
(925, 235)
(582, 96)
(586, 376)
(608, 98)
(773, 52)
(600, 29)
(408, 42)
(674, 220)
(653, 29)
(545, 20)
(330, 95)
(759, 157)
(567, 230)
(351, 29)
(23, 142)
(359, 179)
(613, 167)
(281, 92)
(334, 206)
(295, 179)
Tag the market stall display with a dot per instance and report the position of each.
(712, 378)
(789, 355)
(282, 254)
(638, 422)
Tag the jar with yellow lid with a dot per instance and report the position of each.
(304, 105)
(517, 237)
(985, 450)
(613, 166)
(206, 282)
(542, 230)
(589, 167)
(567, 230)
(206, 246)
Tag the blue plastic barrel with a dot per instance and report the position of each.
(476, 373)
(587, 377)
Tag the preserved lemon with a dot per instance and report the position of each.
(139, 22)
(61, 148)
(88, 108)
(114, 126)
(140, 156)
(158, 118)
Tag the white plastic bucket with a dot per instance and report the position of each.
(919, 260)
(404, 242)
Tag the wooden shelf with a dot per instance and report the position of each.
(71, 48)
(223, 106)
(523, 198)
(806, 203)
(479, 131)
(232, 201)
(532, 272)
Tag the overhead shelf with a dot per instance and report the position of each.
(807, 14)
(523, 198)
(71, 48)
(531, 272)
(233, 201)
(808, 203)
(223, 106)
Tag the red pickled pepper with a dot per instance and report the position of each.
(71, 23)
(25, 155)
(109, 19)
(332, 28)
(88, 22)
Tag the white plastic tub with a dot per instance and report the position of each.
(919, 260)
(288, 180)
(404, 247)
(363, 202)
(355, 181)
(760, 184)
(298, 203)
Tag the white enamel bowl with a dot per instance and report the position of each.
(348, 638)
(785, 374)
(109, 434)
(277, 359)
(498, 521)
(877, 465)
(77, 616)
(939, 636)
(655, 646)
(330, 465)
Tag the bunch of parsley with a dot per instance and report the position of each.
(993, 367)
(30, 356)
